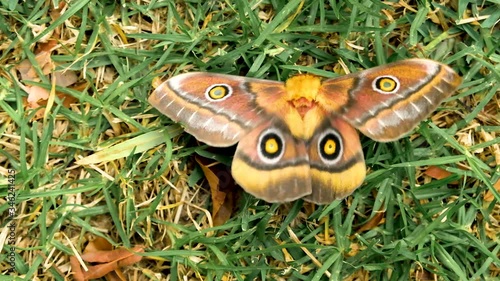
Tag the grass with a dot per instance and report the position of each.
(400, 225)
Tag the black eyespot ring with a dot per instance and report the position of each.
(218, 92)
(330, 146)
(271, 146)
(386, 84)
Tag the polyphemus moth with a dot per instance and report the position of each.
(298, 139)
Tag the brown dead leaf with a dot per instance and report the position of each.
(488, 197)
(132, 258)
(116, 275)
(65, 78)
(108, 256)
(76, 268)
(373, 222)
(47, 47)
(222, 187)
(424, 275)
(67, 99)
(109, 260)
(38, 96)
(45, 62)
(35, 95)
(100, 270)
(26, 70)
(98, 244)
(55, 13)
(438, 173)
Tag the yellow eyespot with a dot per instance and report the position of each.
(271, 146)
(330, 147)
(386, 84)
(218, 92)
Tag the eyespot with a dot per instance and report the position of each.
(218, 92)
(330, 146)
(386, 84)
(271, 146)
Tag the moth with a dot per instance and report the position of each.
(298, 139)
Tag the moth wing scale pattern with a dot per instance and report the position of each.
(298, 139)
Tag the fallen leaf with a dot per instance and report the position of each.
(55, 13)
(26, 70)
(110, 260)
(107, 256)
(373, 222)
(101, 270)
(98, 244)
(488, 197)
(45, 62)
(36, 94)
(424, 275)
(48, 46)
(65, 78)
(438, 173)
(37, 97)
(222, 187)
(76, 269)
(67, 100)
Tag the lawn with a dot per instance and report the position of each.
(91, 173)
